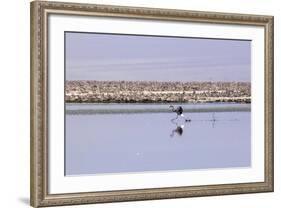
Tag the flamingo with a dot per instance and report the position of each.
(179, 111)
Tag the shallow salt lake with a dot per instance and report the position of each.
(123, 138)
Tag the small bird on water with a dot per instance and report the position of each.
(179, 111)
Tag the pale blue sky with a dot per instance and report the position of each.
(92, 56)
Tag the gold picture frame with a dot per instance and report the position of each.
(39, 103)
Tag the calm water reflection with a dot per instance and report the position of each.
(136, 142)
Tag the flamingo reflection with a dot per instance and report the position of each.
(178, 131)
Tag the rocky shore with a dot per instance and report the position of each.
(156, 92)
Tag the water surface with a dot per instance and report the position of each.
(111, 138)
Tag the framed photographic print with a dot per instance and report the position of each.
(144, 103)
